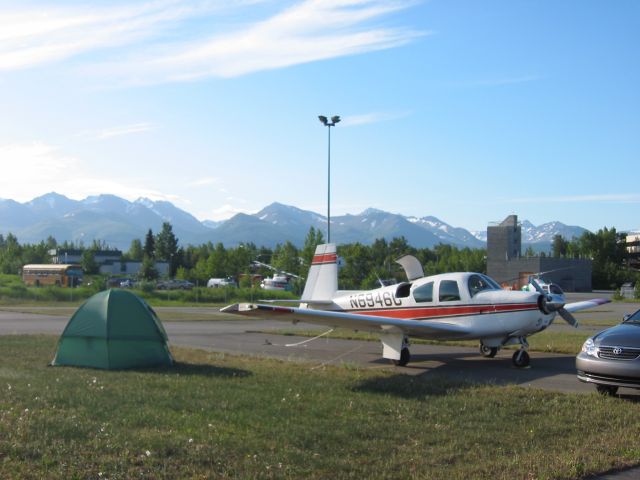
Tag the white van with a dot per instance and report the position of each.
(221, 282)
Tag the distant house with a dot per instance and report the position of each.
(632, 243)
(507, 266)
(109, 261)
(131, 268)
(59, 255)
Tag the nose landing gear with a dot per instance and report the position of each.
(521, 357)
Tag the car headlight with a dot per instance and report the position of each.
(590, 348)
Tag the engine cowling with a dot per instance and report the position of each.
(550, 303)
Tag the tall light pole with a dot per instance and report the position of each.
(335, 119)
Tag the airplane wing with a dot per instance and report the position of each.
(420, 328)
(576, 306)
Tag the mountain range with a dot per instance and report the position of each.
(117, 221)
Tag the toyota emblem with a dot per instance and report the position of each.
(617, 351)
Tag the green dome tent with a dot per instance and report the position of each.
(113, 329)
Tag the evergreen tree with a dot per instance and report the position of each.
(51, 243)
(149, 249)
(148, 269)
(559, 246)
(135, 253)
(313, 239)
(167, 247)
(286, 258)
(88, 262)
(11, 255)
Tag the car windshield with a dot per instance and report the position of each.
(635, 318)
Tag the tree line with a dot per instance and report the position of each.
(365, 266)
(607, 250)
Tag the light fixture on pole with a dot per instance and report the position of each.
(335, 119)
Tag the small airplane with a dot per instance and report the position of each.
(279, 281)
(448, 306)
(546, 287)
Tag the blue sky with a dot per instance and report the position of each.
(462, 109)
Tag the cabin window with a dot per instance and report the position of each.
(424, 293)
(402, 290)
(449, 291)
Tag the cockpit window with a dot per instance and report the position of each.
(478, 283)
(449, 291)
(424, 293)
(555, 289)
(492, 282)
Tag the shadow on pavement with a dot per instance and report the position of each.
(439, 373)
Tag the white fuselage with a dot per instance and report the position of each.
(487, 313)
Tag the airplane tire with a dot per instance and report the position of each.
(405, 356)
(488, 352)
(607, 389)
(520, 359)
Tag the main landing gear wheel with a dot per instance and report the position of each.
(488, 352)
(405, 356)
(520, 359)
(607, 389)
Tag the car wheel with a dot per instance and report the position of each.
(607, 389)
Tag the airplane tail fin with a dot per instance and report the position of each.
(322, 281)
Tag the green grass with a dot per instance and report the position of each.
(217, 416)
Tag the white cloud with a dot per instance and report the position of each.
(136, 44)
(33, 169)
(309, 31)
(119, 131)
(224, 212)
(606, 197)
(32, 37)
(204, 182)
(142, 37)
(373, 117)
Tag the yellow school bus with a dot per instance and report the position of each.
(62, 275)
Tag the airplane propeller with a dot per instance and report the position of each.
(553, 303)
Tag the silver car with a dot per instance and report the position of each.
(611, 358)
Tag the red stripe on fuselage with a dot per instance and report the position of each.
(417, 313)
(324, 258)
